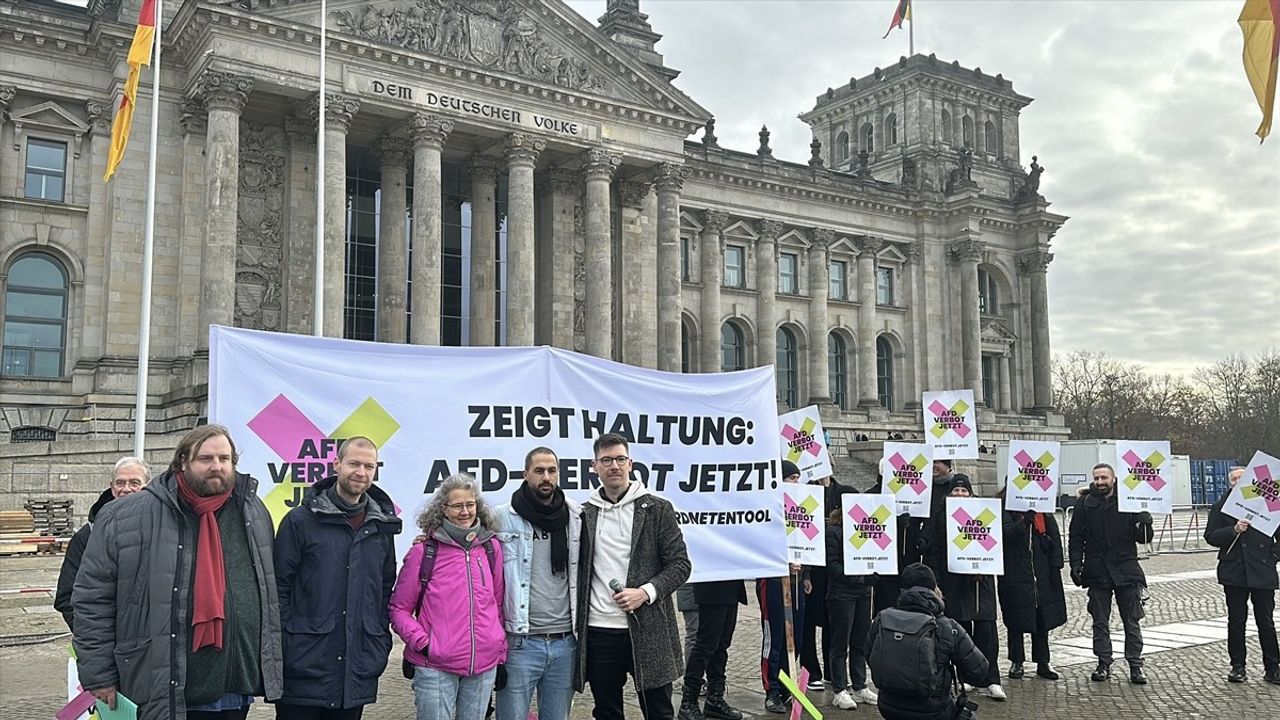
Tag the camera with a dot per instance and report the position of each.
(966, 709)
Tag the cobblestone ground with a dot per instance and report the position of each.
(1187, 672)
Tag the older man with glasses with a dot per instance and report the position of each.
(129, 475)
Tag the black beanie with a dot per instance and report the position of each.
(918, 575)
(788, 469)
(962, 480)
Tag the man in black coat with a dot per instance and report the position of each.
(717, 618)
(129, 475)
(1247, 571)
(1104, 558)
(335, 560)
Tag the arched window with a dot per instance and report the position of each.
(788, 385)
(884, 372)
(685, 348)
(733, 348)
(993, 140)
(946, 126)
(838, 370)
(891, 130)
(842, 146)
(867, 138)
(966, 125)
(35, 317)
(988, 294)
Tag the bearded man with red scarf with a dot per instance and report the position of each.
(176, 604)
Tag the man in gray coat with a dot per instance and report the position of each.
(633, 559)
(175, 602)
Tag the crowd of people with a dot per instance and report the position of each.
(183, 599)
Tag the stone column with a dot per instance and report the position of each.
(819, 289)
(633, 272)
(1006, 387)
(598, 166)
(484, 229)
(967, 253)
(868, 385)
(1036, 265)
(429, 135)
(97, 224)
(767, 282)
(522, 152)
(340, 110)
(555, 266)
(191, 238)
(711, 254)
(7, 93)
(669, 182)
(224, 96)
(915, 326)
(393, 250)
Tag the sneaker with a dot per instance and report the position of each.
(865, 695)
(1016, 672)
(817, 685)
(844, 701)
(1046, 671)
(995, 692)
(773, 703)
(1102, 673)
(966, 687)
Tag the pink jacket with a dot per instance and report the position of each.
(458, 627)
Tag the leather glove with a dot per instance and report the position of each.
(1077, 575)
(1144, 517)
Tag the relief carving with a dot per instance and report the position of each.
(579, 276)
(259, 234)
(495, 34)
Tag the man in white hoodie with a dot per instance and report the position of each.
(632, 560)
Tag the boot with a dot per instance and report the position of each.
(717, 708)
(1272, 675)
(689, 709)
(1237, 674)
(1015, 671)
(1046, 671)
(1102, 673)
(1135, 675)
(774, 703)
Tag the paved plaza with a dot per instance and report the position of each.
(1185, 632)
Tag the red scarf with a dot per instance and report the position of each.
(210, 591)
(1038, 521)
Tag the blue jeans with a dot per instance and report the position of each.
(535, 662)
(439, 695)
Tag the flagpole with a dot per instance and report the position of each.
(911, 31)
(318, 291)
(148, 238)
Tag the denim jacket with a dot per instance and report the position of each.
(516, 535)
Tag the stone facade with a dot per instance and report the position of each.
(867, 273)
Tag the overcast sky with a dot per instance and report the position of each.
(1142, 118)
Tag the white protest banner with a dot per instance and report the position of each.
(975, 536)
(1256, 496)
(870, 534)
(1032, 475)
(950, 424)
(907, 471)
(1144, 476)
(705, 442)
(802, 441)
(802, 507)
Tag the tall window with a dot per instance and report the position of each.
(989, 379)
(35, 320)
(891, 129)
(686, 348)
(884, 285)
(946, 126)
(735, 258)
(884, 372)
(988, 294)
(787, 274)
(685, 240)
(733, 348)
(838, 370)
(788, 387)
(364, 197)
(993, 140)
(867, 138)
(839, 275)
(46, 169)
(842, 146)
(966, 124)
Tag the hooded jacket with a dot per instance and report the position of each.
(1103, 542)
(335, 586)
(637, 541)
(71, 561)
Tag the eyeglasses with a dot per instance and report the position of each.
(459, 507)
(122, 484)
(611, 461)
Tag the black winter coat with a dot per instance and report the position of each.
(955, 650)
(1032, 599)
(841, 586)
(1103, 542)
(71, 561)
(335, 585)
(1251, 563)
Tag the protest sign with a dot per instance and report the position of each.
(802, 507)
(802, 440)
(870, 537)
(975, 541)
(1144, 476)
(951, 424)
(907, 471)
(1256, 496)
(1032, 476)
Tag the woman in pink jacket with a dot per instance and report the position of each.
(452, 628)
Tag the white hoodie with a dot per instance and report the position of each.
(612, 555)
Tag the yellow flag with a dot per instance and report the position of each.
(139, 55)
(1260, 23)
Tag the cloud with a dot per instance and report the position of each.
(1142, 116)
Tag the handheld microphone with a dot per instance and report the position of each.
(615, 585)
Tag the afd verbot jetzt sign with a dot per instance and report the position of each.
(950, 423)
(906, 469)
(975, 536)
(1256, 496)
(1031, 477)
(1144, 476)
(802, 440)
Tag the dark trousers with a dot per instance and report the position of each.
(1129, 598)
(885, 593)
(987, 639)
(773, 626)
(218, 714)
(710, 651)
(305, 712)
(608, 664)
(1264, 604)
(815, 616)
(848, 623)
(1039, 647)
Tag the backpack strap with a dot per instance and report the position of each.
(491, 554)
(429, 552)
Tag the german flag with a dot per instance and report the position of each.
(902, 12)
(1260, 23)
(139, 55)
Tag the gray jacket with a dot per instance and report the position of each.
(132, 597)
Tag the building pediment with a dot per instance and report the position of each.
(996, 332)
(48, 117)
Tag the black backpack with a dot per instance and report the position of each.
(424, 577)
(904, 654)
